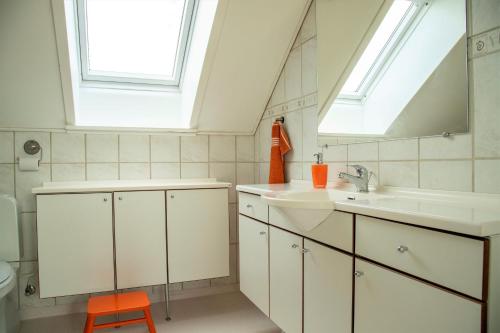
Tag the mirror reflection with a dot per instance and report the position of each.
(407, 76)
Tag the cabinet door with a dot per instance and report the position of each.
(141, 251)
(254, 262)
(198, 234)
(285, 268)
(75, 243)
(389, 302)
(327, 289)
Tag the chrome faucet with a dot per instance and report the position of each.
(360, 180)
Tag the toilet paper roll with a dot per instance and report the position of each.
(29, 164)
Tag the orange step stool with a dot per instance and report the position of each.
(119, 303)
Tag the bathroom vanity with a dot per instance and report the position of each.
(102, 236)
(390, 261)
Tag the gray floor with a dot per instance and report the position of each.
(226, 313)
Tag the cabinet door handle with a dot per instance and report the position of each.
(358, 274)
(172, 196)
(249, 206)
(294, 246)
(105, 199)
(120, 198)
(262, 233)
(402, 248)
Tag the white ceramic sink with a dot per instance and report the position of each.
(308, 209)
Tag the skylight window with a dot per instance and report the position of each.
(134, 41)
(383, 43)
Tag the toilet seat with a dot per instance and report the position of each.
(7, 278)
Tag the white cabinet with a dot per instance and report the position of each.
(285, 262)
(140, 236)
(75, 243)
(389, 302)
(327, 289)
(198, 234)
(254, 261)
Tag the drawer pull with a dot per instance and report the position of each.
(294, 246)
(402, 248)
(358, 274)
(262, 233)
(249, 206)
(120, 198)
(105, 199)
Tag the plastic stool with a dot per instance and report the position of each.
(119, 303)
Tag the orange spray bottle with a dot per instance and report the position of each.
(319, 172)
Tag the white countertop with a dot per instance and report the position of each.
(128, 185)
(467, 213)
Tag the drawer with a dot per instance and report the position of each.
(251, 205)
(336, 230)
(452, 261)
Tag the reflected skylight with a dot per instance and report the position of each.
(385, 32)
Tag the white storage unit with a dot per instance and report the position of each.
(198, 234)
(75, 243)
(140, 236)
(254, 261)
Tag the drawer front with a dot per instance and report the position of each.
(336, 230)
(252, 206)
(452, 261)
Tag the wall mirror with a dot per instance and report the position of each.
(392, 69)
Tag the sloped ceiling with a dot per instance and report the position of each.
(247, 49)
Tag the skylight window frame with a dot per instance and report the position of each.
(103, 78)
(388, 52)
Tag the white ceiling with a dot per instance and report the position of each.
(248, 47)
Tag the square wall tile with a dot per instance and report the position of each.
(278, 95)
(102, 147)
(363, 152)
(42, 138)
(68, 172)
(165, 148)
(28, 237)
(265, 139)
(309, 133)
(293, 127)
(399, 150)
(245, 148)
(222, 148)
(485, 15)
(25, 182)
(333, 171)
(134, 148)
(486, 176)
(194, 170)
(194, 148)
(131, 171)
(68, 148)
(401, 174)
(293, 171)
(293, 75)
(264, 173)
(446, 175)
(165, 170)
(309, 72)
(456, 146)
(337, 153)
(6, 147)
(7, 179)
(308, 28)
(245, 173)
(225, 172)
(102, 171)
(486, 79)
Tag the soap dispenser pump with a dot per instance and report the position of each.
(319, 172)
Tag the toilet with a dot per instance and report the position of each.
(9, 254)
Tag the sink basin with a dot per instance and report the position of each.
(308, 209)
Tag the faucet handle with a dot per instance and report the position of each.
(360, 170)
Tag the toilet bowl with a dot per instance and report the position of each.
(9, 252)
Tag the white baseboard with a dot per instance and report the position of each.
(66, 309)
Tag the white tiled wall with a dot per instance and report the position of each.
(468, 162)
(68, 157)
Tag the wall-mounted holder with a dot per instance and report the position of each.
(280, 119)
(31, 147)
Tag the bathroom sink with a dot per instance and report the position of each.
(308, 209)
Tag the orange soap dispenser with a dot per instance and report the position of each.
(319, 172)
